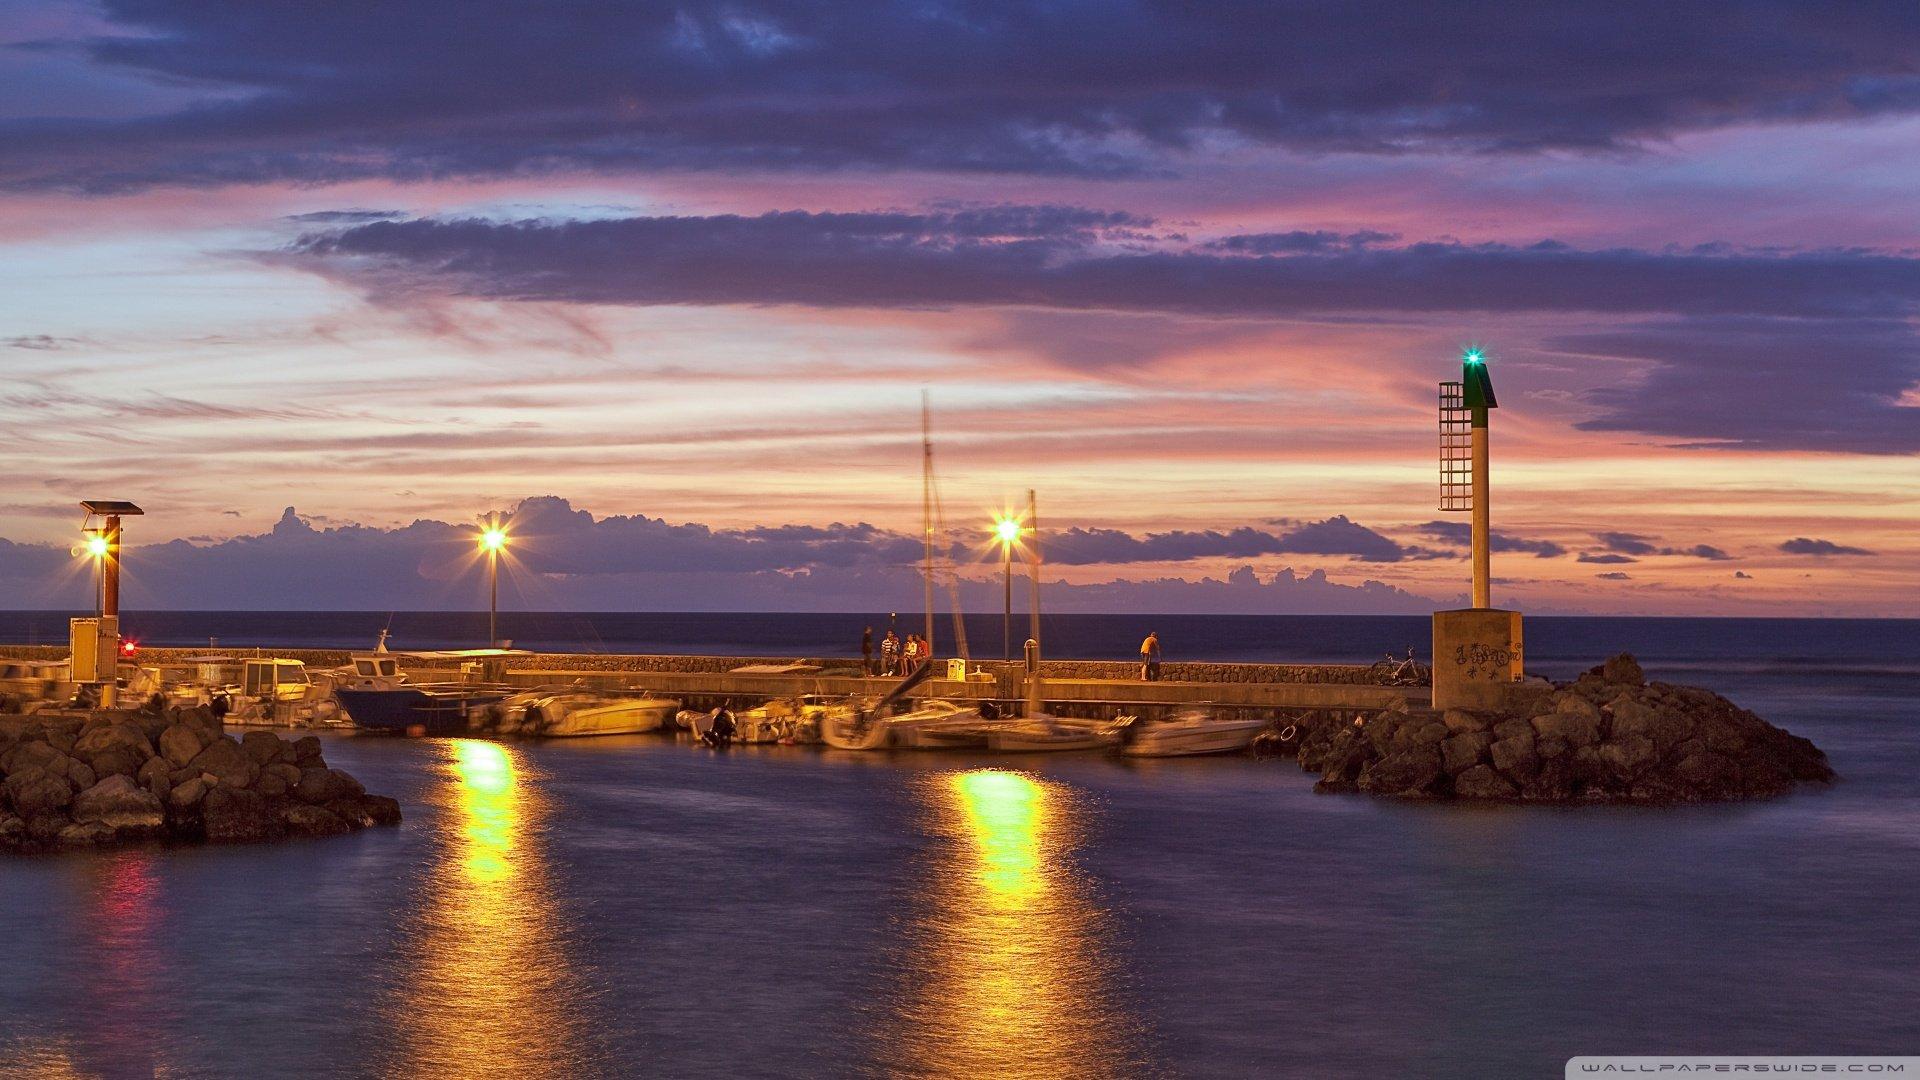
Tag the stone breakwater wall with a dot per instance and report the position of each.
(1349, 674)
(121, 777)
(1610, 736)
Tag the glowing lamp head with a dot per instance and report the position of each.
(1474, 357)
(1006, 530)
(493, 539)
(97, 545)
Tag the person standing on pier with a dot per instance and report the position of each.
(890, 654)
(866, 652)
(1150, 658)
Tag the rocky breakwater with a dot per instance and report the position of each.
(124, 777)
(1609, 736)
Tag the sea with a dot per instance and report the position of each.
(638, 906)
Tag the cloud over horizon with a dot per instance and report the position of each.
(293, 92)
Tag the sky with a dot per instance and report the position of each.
(319, 285)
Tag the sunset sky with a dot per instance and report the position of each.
(678, 274)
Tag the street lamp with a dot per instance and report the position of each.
(1006, 532)
(97, 547)
(493, 540)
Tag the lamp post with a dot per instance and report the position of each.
(1006, 532)
(493, 539)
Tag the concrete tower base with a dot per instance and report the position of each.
(1476, 657)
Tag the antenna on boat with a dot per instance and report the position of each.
(938, 560)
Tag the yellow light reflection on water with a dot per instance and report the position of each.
(491, 992)
(1013, 972)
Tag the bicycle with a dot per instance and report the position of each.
(1401, 671)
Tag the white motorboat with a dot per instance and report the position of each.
(778, 721)
(1189, 732)
(854, 731)
(1047, 733)
(575, 713)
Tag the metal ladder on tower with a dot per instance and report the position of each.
(1456, 448)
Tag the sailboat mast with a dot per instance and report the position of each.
(1033, 562)
(926, 509)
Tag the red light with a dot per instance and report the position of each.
(129, 647)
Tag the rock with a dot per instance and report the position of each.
(1707, 775)
(46, 828)
(181, 743)
(120, 735)
(1465, 750)
(117, 761)
(272, 785)
(228, 763)
(264, 747)
(366, 811)
(35, 791)
(237, 816)
(154, 776)
(32, 751)
(1465, 720)
(1623, 669)
(1554, 782)
(1628, 754)
(1572, 704)
(119, 804)
(13, 830)
(1574, 728)
(303, 820)
(80, 774)
(1514, 727)
(319, 786)
(1481, 782)
(306, 750)
(1413, 772)
(286, 772)
(84, 834)
(1516, 756)
(189, 794)
(1632, 716)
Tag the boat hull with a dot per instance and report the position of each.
(1194, 741)
(404, 710)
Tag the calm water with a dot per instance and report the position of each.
(639, 907)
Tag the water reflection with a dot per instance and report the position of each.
(491, 991)
(1010, 967)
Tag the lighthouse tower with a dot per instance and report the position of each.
(1476, 650)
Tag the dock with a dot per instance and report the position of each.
(1069, 687)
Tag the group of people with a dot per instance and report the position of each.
(898, 656)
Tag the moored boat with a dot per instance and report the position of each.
(1045, 733)
(573, 713)
(1190, 732)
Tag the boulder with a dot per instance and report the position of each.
(1481, 782)
(13, 830)
(366, 811)
(1576, 729)
(121, 735)
(1413, 772)
(180, 743)
(1572, 704)
(306, 750)
(30, 752)
(229, 764)
(1623, 669)
(154, 776)
(1465, 750)
(301, 819)
(264, 747)
(1628, 754)
(118, 761)
(1465, 720)
(35, 791)
(1636, 716)
(80, 774)
(318, 785)
(272, 785)
(237, 816)
(187, 795)
(286, 772)
(84, 834)
(1516, 756)
(119, 804)
(45, 828)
